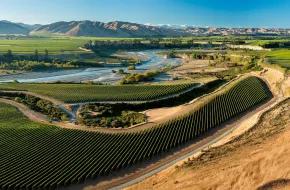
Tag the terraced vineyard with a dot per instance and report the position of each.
(73, 93)
(44, 157)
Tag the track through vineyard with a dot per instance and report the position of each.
(44, 157)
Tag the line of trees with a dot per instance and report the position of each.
(38, 61)
(139, 44)
(277, 45)
(9, 57)
(35, 61)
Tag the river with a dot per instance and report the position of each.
(100, 74)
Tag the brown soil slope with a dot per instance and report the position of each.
(259, 159)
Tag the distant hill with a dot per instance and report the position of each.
(110, 29)
(128, 29)
(30, 27)
(7, 27)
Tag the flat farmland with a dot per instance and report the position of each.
(54, 45)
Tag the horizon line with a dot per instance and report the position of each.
(147, 23)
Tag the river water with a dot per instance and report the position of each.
(100, 74)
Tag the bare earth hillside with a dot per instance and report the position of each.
(110, 29)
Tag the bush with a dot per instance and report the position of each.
(108, 116)
(121, 71)
(139, 77)
(132, 67)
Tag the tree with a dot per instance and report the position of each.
(45, 54)
(176, 42)
(121, 71)
(194, 55)
(132, 67)
(171, 54)
(36, 55)
(9, 56)
(139, 77)
(190, 42)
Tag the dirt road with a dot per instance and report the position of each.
(228, 131)
(32, 115)
(40, 118)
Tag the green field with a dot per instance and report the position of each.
(54, 45)
(280, 57)
(73, 93)
(35, 156)
(263, 42)
(62, 47)
(66, 44)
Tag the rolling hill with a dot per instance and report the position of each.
(10, 28)
(110, 29)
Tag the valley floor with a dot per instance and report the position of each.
(259, 159)
(224, 167)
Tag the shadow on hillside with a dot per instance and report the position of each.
(275, 184)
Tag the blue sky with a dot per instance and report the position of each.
(227, 13)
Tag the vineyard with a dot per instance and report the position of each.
(74, 93)
(34, 156)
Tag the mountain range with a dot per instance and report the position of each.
(110, 29)
(11, 28)
(90, 28)
(126, 29)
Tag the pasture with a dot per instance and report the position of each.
(54, 45)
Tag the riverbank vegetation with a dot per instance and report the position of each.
(100, 46)
(134, 78)
(42, 53)
(37, 62)
(60, 52)
(206, 65)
